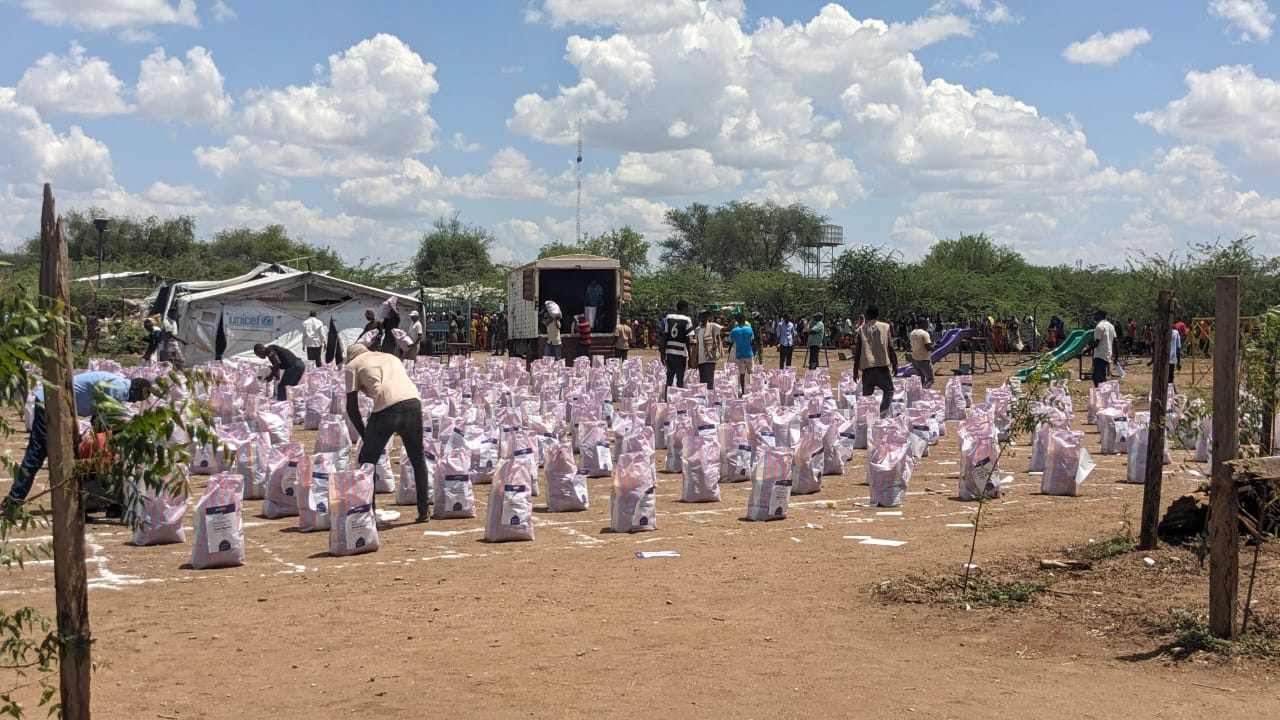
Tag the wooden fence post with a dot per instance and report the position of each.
(1224, 548)
(1156, 432)
(71, 587)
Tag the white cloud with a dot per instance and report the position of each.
(192, 92)
(1229, 104)
(460, 143)
(374, 99)
(510, 175)
(223, 12)
(32, 153)
(109, 14)
(680, 173)
(72, 84)
(1106, 49)
(1251, 17)
(638, 17)
(414, 191)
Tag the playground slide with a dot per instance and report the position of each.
(946, 346)
(1069, 350)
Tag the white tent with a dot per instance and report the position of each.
(270, 309)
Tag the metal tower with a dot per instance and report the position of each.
(577, 230)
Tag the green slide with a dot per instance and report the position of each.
(1069, 349)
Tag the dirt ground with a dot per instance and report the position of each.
(752, 620)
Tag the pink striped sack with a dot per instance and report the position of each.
(316, 406)
(276, 419)
(771, 485)
(633, 502)
(255, 461)
(739, 455)
(979, 452)
(1139, 441)
(355, 529)
(484, 454)
(156, 514)
(701, 470)
(313, 493)
(333, 435)
(838, 444)
(889, 463)
(955, 399)
(454, 493)
(679, 429)
(510, 513)
(524, 449)
(219, 524)
(282, 483)
(566, 487)
(786, 427)
(595, 457)
(384, 477)
(1067, 463)
(806, 465)
(1113, 430)
(205, 460)
(407, 492)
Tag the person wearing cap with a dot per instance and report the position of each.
(397, 410)
(415, 336)
(815, 333)
(313, 338)
(89, 403)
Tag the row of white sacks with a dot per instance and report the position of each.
(488, 425)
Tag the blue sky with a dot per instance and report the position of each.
(1083, 130)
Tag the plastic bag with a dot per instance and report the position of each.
(510, 513)
(354, 529)
(633, 502)
(219, 524)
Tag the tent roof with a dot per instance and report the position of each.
(278, 285)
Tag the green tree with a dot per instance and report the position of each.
(248, 248)
(865, 275)
(656, 294)
(624, 244)
(774, 292)
(453, 253)
(738, 236)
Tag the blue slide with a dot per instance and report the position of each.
(949, 343)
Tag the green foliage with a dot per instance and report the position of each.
(774, 292)
(738, 236)
(453, 253)
(625, 245)
(377, 274)
(656, 294)
(1012, 593)
(865, 275)
(1118, 545)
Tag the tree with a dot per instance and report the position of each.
(738, 237)
(625, 245)
(656, 294)
(865, 275)
(375, 274)
(774, 292)
(272, 244)
(453, 253)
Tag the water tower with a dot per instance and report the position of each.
(819, 253)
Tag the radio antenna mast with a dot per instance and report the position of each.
(578, 223)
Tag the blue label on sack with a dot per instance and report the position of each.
(320, 476)
(322, 508)
(360, 542)
(526, 451)
(357, 509)
(429, 455)
(456, 478)
(848, 436)
(983, 461)
(288, 492)
(489, 441)
(745, 447)
(220, 509)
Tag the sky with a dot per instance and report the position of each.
(1084, 131)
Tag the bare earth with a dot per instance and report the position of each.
(753, 620)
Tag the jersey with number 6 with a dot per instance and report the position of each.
(677, 334)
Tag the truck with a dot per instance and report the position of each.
(564, 280)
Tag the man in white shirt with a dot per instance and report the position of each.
(1102, 346)
(313, 338)
(786, 330)
(706, 341)
(415, 336)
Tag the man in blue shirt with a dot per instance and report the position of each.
(742, 336)
(786, 340)
(85, 384)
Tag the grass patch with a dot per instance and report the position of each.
(983, 592)
(1190, 634)
(1118, 545)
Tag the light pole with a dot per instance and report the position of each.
(101, 224)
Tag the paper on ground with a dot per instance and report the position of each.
(857, 537)
(1085, 467)
(657, 554)
(889, 512)
(960, 525)
(881, 541)
(387, 516)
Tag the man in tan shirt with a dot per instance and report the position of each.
(621, 340)
(397, 410)
(876, 359)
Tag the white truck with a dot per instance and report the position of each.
(563, 279)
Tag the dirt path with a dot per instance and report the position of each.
(753, 620)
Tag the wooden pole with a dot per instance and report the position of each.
(69, 578)
(1224, 548)
(1156, 432)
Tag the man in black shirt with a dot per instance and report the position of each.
(286, 368)
(676, 343)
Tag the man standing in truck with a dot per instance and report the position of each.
(594, 300)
